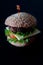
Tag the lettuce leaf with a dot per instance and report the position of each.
(20, 41)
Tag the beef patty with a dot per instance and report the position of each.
(20, 29)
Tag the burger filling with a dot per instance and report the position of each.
(18, 35)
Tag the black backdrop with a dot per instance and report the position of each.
(8, 7)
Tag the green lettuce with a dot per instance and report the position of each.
(20, 41)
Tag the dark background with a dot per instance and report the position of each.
(34, 7)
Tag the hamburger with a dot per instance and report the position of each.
(19, 28)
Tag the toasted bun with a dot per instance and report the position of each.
(21, 19)
(17, 44)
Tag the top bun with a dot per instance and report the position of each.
(21, 19)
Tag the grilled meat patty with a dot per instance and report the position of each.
(20, 29)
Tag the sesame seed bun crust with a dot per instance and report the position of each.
(21, 19)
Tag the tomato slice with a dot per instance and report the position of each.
(12, 36)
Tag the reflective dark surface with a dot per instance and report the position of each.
(34, 7)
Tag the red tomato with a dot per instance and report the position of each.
(12, 36)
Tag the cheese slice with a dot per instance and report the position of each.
(33, 34)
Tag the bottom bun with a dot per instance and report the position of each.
(17, 44)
